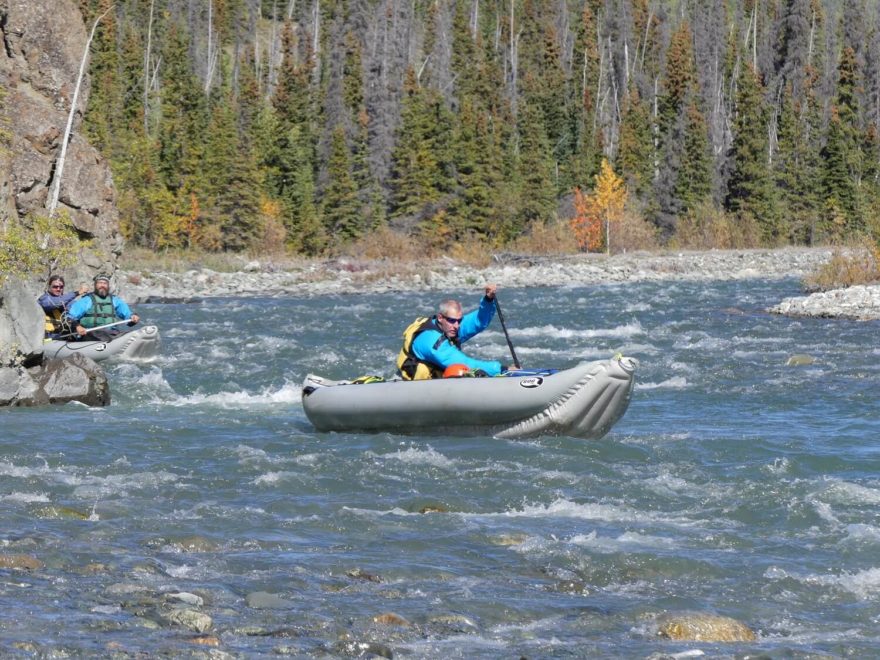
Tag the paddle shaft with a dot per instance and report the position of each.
(100, 327)
(506, 336)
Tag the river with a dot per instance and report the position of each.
(734, 485)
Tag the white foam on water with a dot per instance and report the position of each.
(780, 466)
(43, 472)
(415, 456)
(865, 584)
(844, 492)
(181, 331)
(288, 393)
(563, 508)
(631, 329)
(182, 571)
(25, 497)
(272, 478)
(674, 383)
(246, 453)
(94, 488)
(307, 459)
(862, 533)
(217, 352)
(636, 349)
(669, 485)
(626, 541)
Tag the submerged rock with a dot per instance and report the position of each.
(799, 360)
(699, 627)
(20, 562)
(191, 619)
(359, 574)
(263, 600)
(57, 512)
(391, 619)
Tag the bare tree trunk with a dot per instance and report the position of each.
(656, 130)
(514, 66)
(316, 43)
(755, 38)
(812, 37)
(645, 47)
(147, 71)
(290, 7)
(476, 19)
(212, 48)
(59, 169)
(270, 83)
(598, 78)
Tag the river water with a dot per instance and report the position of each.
(734, 485)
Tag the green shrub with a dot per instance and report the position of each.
(38, 246)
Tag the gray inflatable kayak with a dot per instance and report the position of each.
(584, 401)
(137, 344)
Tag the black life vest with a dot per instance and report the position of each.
(411, 367)
(101, 313)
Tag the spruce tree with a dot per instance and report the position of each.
(693, 185)
(340, 208)
(795, 168)
(421, 158)
(750, 190)
(635, 157)
(536, 170)
(583, 162)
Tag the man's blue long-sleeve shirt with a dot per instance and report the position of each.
(446, 353)
(82, 307)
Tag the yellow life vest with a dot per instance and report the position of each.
(53, 321)
(411, 367)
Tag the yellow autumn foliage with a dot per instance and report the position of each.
(596, 213)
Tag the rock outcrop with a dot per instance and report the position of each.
(43, 46)
(76, 378)
(21, 326)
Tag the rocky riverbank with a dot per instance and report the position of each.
(354, 276)
(860, 303)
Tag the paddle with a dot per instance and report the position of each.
(506, 336)
(100, 327)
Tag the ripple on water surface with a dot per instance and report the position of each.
(735, 485)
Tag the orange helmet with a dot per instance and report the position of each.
(455, 371)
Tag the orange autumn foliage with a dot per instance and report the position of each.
(597, 212)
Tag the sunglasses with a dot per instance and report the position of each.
(452, 320)
(57, 286)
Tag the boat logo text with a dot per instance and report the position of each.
(534, 381)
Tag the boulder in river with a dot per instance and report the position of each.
(75, 378)
(701, 627)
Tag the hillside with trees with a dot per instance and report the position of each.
(260, 124)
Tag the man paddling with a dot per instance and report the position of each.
(430, 345)
(99, 308)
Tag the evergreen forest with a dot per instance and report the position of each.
(309, 125)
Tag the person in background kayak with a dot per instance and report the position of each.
(100, 308)
(54, 303)
(432, 344)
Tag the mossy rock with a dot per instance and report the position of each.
(698, 627)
